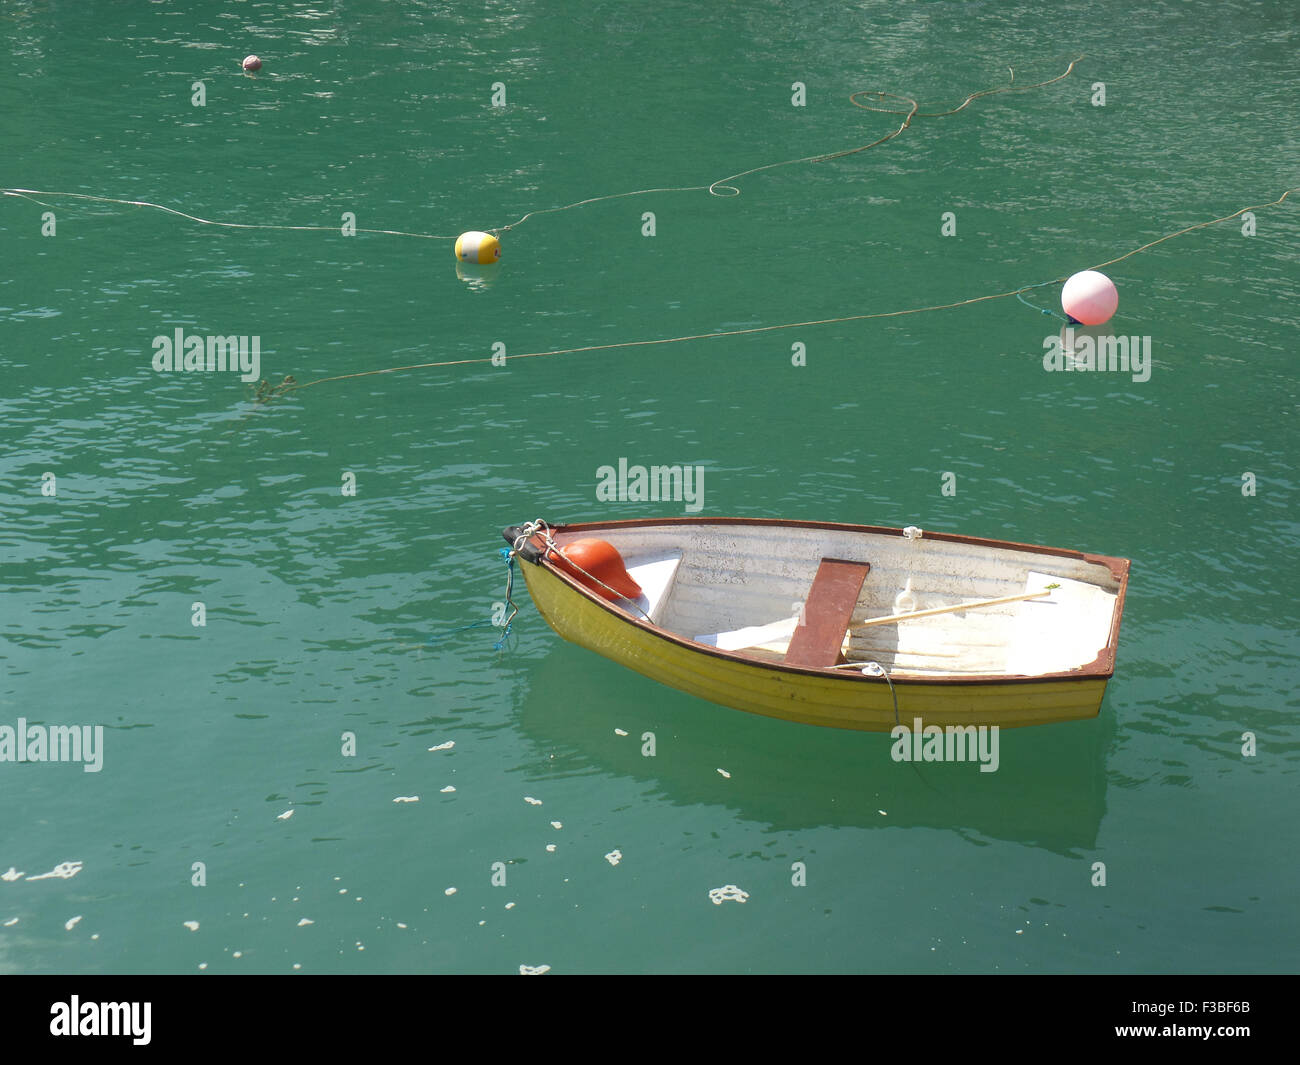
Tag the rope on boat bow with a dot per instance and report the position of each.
(542, 529)
(533, 528)
(875, 669)
(509, 557)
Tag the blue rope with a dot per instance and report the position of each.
(509, 557)
(462, 628)
(1040, 310)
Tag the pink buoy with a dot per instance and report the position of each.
(252, 63)
(1089, 298)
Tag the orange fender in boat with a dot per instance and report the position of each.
(601, 560)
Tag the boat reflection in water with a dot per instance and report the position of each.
(859, 628)
(1048, 790)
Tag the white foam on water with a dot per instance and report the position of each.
(533, 970)
(730, 892)
(531, 801)
(13, 874)
(11, 922)
(444, 746)
(63, 871)
(193, 926)
(72, 923)
(614, 857)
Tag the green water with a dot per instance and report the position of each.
(322, 608)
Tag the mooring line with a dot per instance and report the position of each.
(721, 187)
(31, 194)
(296, 386)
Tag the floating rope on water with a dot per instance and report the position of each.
(1020, 295)
(265, 391)
(31, 194)
(1017, 292)
(721, 187)
(509, 556)
(503, 627)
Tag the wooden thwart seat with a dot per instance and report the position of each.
(827, 612)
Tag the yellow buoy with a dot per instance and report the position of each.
(476, 247)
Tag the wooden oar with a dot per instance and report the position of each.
(755, 636)
(895, 651)
(889, 619)
(918, 670)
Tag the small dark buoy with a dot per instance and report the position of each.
(251, 63)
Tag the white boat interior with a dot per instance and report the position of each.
(746, 588)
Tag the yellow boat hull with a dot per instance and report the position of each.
(844, 699)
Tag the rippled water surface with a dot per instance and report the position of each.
(330, 614)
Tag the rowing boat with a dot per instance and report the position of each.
(846, 626)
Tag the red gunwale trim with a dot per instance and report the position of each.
(1100, 668)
